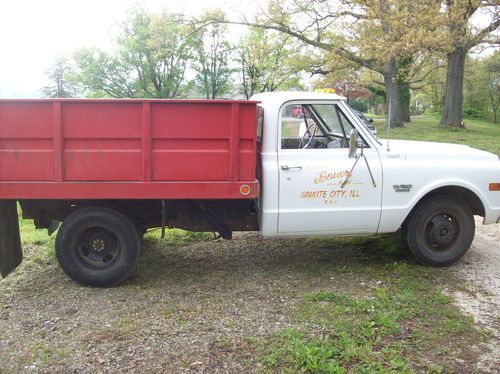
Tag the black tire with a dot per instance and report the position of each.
(440, 230)
(97, 246)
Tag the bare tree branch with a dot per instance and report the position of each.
(480, 36)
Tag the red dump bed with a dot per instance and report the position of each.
(127, 149)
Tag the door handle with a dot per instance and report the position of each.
(286, 167)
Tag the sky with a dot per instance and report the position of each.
(34, 32)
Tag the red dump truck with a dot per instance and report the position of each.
(108, 170)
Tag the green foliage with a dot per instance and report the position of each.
(58, 74)
(359, 104)
(101, 74)
(482, 86)
(153, 53)
(213, 58)
(432, 111)
(268, 62)
(472, 112)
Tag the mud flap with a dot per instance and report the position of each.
(11, 254)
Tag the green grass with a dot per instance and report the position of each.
(393, 317)
(478, 133)
(30, 236)
(396, 328)
(177, 237)
(36, 241)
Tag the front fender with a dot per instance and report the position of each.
(392, 217)
(448, 183)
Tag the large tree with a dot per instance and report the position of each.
(372, 34)
(102, 74)
(59, 85)
(212, 60)
(414, 73)
(461, 37)
(153, 53)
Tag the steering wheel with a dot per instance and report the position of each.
(304, 141)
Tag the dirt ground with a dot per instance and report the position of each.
(480, 270)
(199, 307)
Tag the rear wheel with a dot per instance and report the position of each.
(97, 246)
(440, 231)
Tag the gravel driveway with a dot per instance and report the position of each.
(480, 270)
(199, 307)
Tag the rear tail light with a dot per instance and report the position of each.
(245, 189)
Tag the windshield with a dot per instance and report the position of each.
(335, 121)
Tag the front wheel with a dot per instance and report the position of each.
(97, 246)
(440, 231)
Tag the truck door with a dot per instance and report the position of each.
(313, 163)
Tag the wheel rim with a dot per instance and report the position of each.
(97, 247)
(441, 231)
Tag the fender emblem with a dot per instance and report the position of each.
(402, 187)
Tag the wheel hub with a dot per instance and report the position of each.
(441, 230)
(98, 247)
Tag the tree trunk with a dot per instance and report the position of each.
(394, 112)
(452, 110)
(404, 96)
(403, 66)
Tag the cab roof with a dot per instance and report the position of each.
(280, 97)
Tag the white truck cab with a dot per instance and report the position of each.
(324, 173)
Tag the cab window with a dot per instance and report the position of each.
(314, 126)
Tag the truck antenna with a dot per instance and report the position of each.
(388, 149)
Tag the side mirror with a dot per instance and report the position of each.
(353, 143)
(370, 120)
